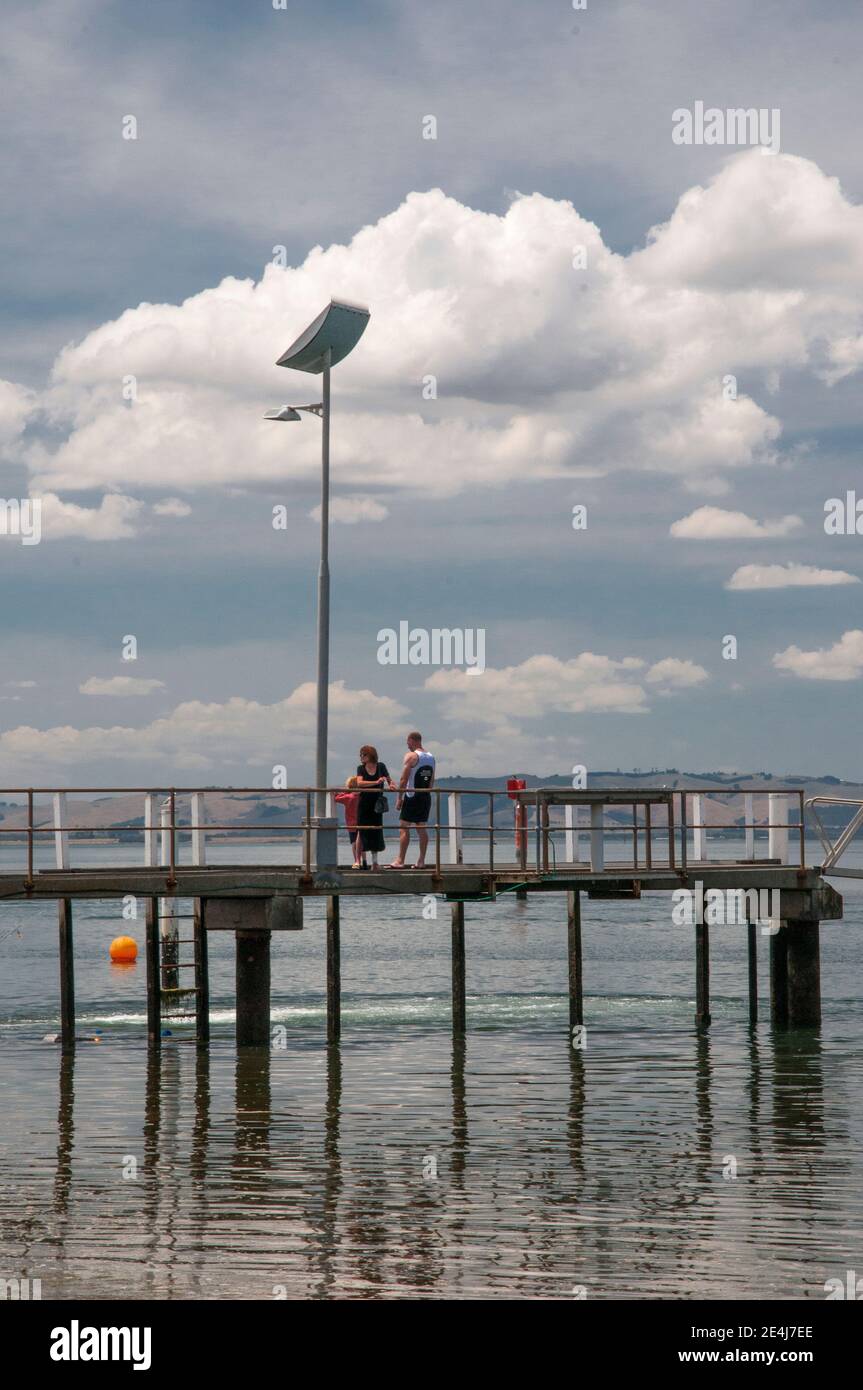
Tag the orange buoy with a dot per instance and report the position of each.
(124, 949)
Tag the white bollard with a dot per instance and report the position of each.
(61, 836)
(699, 834)
(199, 850)
(777, 835)
(456, 855)
(149, 832)
(749, 824)
(570, 820)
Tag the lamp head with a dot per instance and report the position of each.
(338, 328)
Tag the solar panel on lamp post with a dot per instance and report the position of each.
(326, 341)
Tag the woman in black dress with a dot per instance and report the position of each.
(372, 778)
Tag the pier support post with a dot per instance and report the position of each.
(779, 977)
(576, 1000)
(253, 988)
(702, 975)
(334, 971)
(459, 1014)
(154, 983)
(67, 976)
(202, 975)
(804, 973)
(752, 952)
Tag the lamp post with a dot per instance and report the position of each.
(326, 341)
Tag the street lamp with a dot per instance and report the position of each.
(326, 341)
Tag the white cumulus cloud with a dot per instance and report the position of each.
(114, 519)
(841, 662)
(788, 576)
(203, 738)
(714, 524)
(350, 510)
(172, 506)
(542, 369)
(542, 685)
(120, 686)
(673, 673)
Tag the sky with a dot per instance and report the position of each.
(609, 388)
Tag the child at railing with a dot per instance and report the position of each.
(350, 799)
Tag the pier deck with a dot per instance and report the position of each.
(467, 881)
(666, 834)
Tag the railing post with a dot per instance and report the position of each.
(456, 855)
(537, 832)
(597, 841)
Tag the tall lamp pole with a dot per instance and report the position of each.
(326, 341)
(323, 603)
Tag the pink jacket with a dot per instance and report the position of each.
(350, 801)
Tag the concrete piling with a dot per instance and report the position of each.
(576, 993)
(459, 1012)
(779, 977)
(804, 973)
(334, 970)
(67, 976)
(253, 988)
(702, 975)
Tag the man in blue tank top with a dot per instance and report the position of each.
(414, 799)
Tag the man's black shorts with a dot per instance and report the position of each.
(416, 808)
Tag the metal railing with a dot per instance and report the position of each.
(659, 822)
(833, 851)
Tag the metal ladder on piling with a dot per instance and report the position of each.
(171, 992)
(164, 948)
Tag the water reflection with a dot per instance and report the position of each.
(602, 1167)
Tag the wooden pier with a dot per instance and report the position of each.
(663, 834)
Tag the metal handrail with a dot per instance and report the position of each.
(540, 799)
(833, 852)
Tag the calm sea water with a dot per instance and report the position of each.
(400, 1166)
